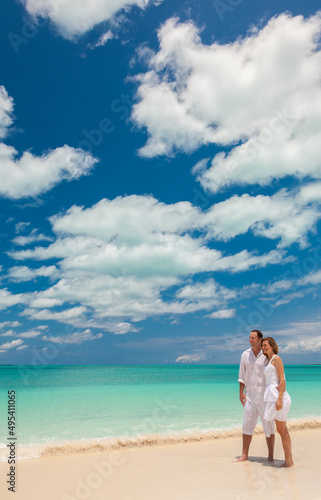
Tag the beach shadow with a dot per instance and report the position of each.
(263, 461)
(276, 464)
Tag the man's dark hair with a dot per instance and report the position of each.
(259, 334)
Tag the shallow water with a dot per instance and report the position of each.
(87, 404)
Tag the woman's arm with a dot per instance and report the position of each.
(277, 362)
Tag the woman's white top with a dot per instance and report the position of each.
(271, 395)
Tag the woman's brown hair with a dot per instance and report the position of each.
(272, 343)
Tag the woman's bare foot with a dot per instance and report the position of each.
(285, 464)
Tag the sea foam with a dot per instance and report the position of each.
(58, 448)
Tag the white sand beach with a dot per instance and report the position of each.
(190, 471)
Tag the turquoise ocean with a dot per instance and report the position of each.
(63, 409)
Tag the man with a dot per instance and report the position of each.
(251, 378)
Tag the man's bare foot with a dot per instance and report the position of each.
(242, 459)
(286, 464)
(270, 459)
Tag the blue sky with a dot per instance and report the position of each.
(160, 180)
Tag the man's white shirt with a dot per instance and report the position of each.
(251, 374)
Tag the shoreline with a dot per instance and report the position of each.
(93, 445)
(183, 471)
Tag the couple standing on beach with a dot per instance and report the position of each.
(261, 375)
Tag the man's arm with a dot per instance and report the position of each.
(242, 380)
(242, 395)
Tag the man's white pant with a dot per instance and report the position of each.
(251, 413)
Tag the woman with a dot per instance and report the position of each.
(276, 398)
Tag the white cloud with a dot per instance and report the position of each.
(29, 334)
(21, 347)
(206, 294)
(10, 345)
(24, 273)
(279, 286)
(255, 96)
(30, 175)
(129, 219)
(243, 261)
(109, 297)
(9, 333)
(6, 110)
(33, 175)
(118, 257)
(270, 295)
(205, 290)
(124, 327)
(12, 324)
(137, 235)
(288, 298)
(311, 345)
(74, 338)
(222, 314)
(32, 238)
(8, 299)
(287, 216)
(76, 17)
(190, 358)
(21, 226)
(299, 337)
(103, 39)
(44, 302)
(314, 278)
(167, 256)
(64, 315)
